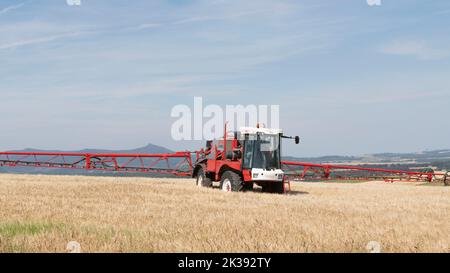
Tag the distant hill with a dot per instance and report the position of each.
(148, 149)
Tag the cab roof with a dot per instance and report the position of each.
(255, 130)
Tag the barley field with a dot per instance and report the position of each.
(105, 214)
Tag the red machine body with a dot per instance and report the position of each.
(240, 160)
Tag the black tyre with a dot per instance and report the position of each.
(447, 179)
(231, 181)
(278, 187)
(266, 187)
(248, 186)
(273, 187)
(202, 179)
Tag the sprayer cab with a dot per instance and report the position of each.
(252, 155)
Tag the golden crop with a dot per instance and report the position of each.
(106, 214)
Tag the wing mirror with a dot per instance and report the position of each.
(297, 138)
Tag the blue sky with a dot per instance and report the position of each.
(350, 78)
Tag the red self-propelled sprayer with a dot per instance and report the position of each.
(238, 161)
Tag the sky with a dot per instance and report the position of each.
(350, 78)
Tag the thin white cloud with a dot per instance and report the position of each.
(219, 17)
(11, 8)
(419, 49)
(39, 40)
(149, 25)
(28, 33)
(142, 26)
(441, 12)
(195, 19)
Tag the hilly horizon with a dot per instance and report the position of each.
(420, 157)
(147, 149)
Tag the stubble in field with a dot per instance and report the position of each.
(44, 213)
